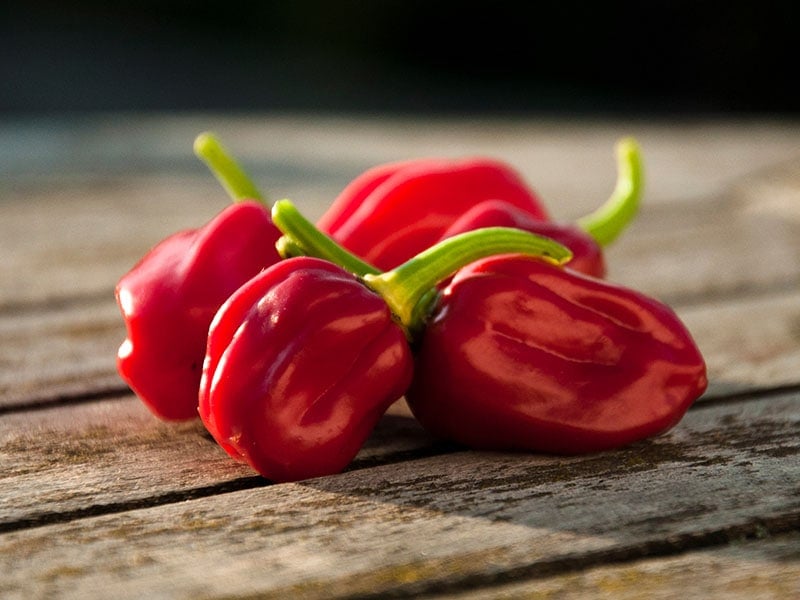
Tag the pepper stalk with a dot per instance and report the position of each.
(607, 222)
(224, 167)
(410, 289)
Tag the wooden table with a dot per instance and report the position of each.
(100, 499)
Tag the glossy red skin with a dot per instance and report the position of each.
(587, 253)
(170, 297)
(393, 212)
(351, 197)
(301, 363)
(523, 355)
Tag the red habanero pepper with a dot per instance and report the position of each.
(522, 355)
(359, 189)
(395, 211)
(305, 358)
(170, 296)
(587, 254)
(301, 363)
(585, 239)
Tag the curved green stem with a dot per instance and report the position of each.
(407, 288)
(607, 222)
(303, 238)
(225, 168)
(410, 289)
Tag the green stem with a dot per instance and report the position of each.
(410, 289)
(302, 237)
(225, 168)
(607, 222)
(407, 288)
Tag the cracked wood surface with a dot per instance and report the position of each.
(98, 498)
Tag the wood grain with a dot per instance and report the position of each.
(767, 569)
(72, 461)
(729, 471)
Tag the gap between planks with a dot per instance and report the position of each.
(524, 516)
(756, 529)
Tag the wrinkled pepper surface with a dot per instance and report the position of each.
(301, 363)
(170, 296)
(523, 355)
(392, 212)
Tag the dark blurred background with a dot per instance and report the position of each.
(557, 56)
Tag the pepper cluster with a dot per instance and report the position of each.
(441, 281)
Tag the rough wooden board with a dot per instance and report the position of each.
(371, 528)
(74, 244)
(71, 461)
(748, 342)
(728, 471)
(74, 241)
(717, 248)
(60, 352)
(766, 569)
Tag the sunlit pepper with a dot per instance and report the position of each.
(301, 363)
(394, 211)
(587, 253)
(170, 296)
(522, 355)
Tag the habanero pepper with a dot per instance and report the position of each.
(585, 239)
(522, 355)
(394, 211)
(301, 363)
(304, 359)
(587, 255)
(170, 296)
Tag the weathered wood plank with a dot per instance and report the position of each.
(729, 470)
(767, 569)
(69, 461)
(719, 238)
(739, 243)
(568, 161)
(66, 249)
(60, 352)
(743, 353)
(748, 342)
(66, 243)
